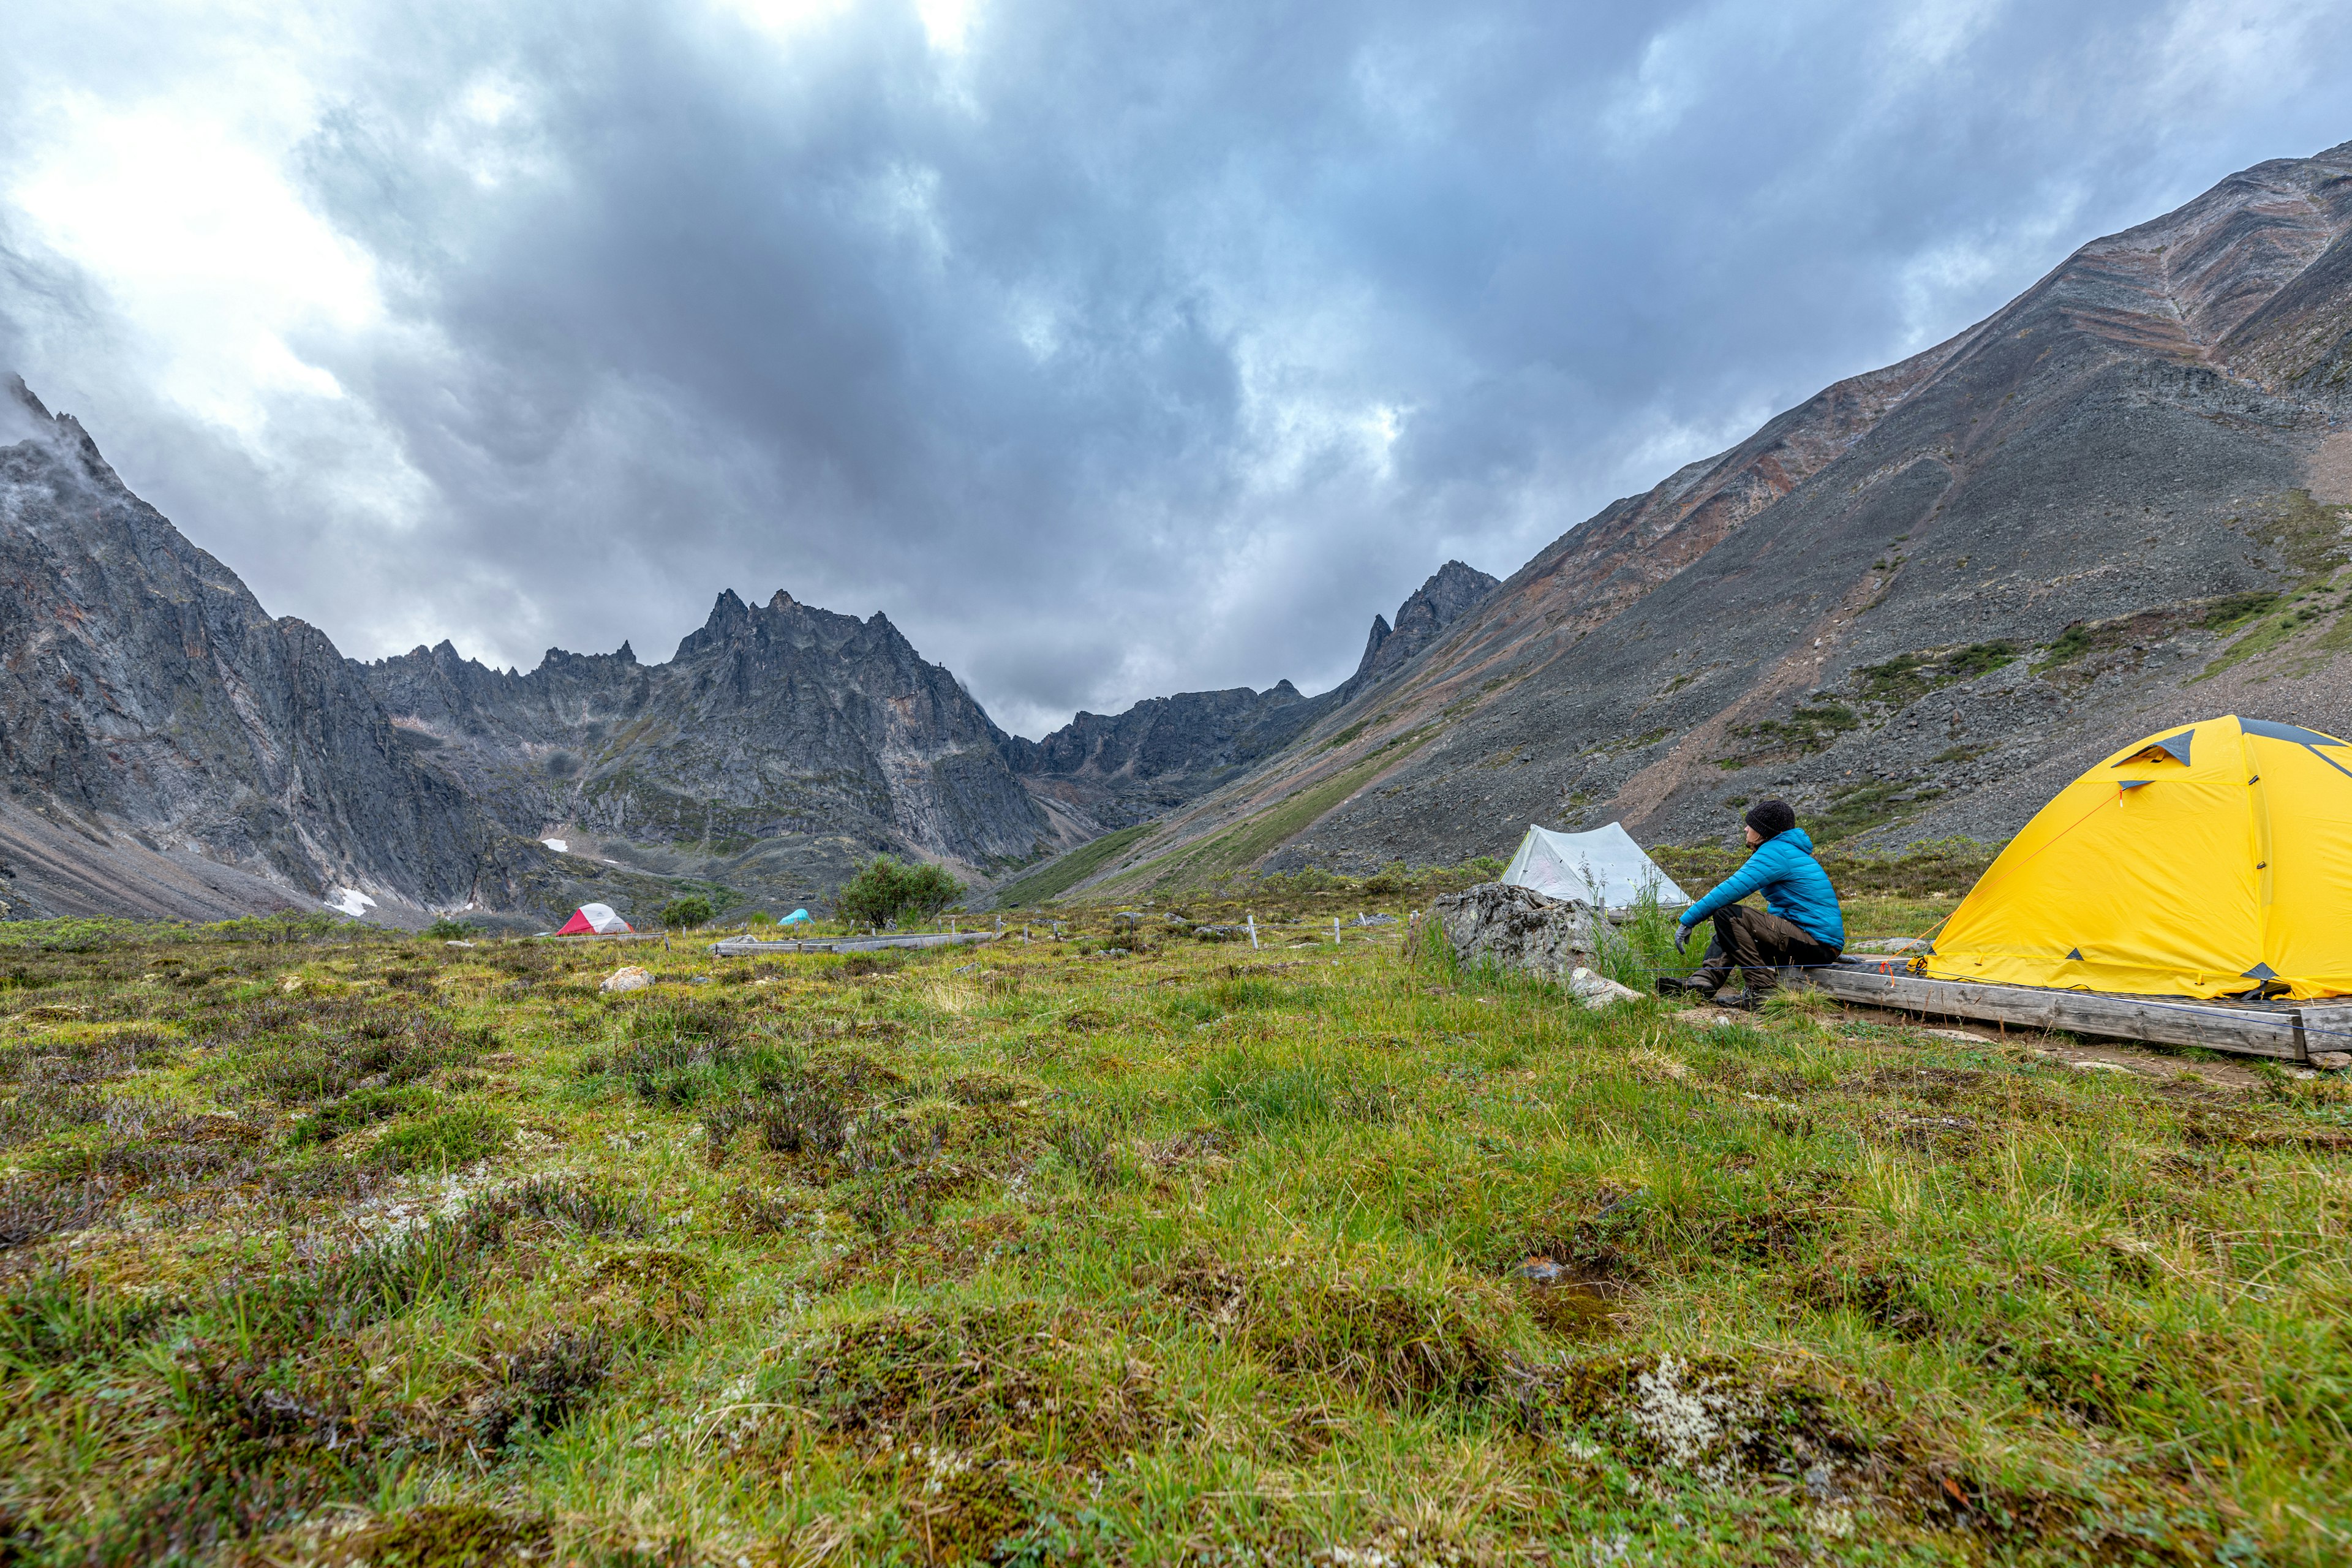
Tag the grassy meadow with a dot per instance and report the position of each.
(1128, 1248)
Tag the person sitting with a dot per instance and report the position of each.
(1802, 928)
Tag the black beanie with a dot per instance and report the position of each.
(1771, 817)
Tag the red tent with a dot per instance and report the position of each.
(593, 920)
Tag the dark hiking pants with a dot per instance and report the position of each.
(1757, 943)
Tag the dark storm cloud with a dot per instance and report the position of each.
(1126, 349)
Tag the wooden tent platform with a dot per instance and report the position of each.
(2290, 1031)
(753, 946)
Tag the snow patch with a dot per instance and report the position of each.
(561, 846)
(351, 901)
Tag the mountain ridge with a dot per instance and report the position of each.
(781, 745)
(1911, 603)
(2085, 481)
(167, 744)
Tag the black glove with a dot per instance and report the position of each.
(1682, 939)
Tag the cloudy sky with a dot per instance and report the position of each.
(1112, 349)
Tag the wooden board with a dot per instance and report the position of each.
(2327, 1026)
(2247, 1029)
(750, 946)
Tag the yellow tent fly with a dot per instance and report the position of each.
(2213, 859)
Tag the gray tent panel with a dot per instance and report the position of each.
(1604, 863)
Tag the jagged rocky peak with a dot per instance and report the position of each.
(1164, 750)
(776, 727)
(783, 622)
(1452, 592)
(25, 420)
(208, 757)
(621, 659)
(1118, 769)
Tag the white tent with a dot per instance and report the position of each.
(1606, 862)
(595, 919)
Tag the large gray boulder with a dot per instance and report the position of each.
(1519, 929)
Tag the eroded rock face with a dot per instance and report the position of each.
(1452, 592)
(1518, 929)
(170, 748)
(1121, 768)
(777, 730)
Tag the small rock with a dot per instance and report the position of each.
(629, 977)
(1599, 990)
(1957, 1034)
(2099, 1067)
(1891, 944)
(2332, 1061)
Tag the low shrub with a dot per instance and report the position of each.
(886, 892)
(686, 913)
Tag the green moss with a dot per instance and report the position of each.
(1399, 1343)
(2232, 611)
(1019, 1377)
(444, 1140)
(2066, 648)
(364, 1109)
(652, 1290)
(1909, 676)
(452, 1536)
(1810, 727)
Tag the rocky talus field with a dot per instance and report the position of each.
(1128, 1247)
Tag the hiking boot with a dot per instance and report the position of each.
(1742, 1000)
(1670, 986)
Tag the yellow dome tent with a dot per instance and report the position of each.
(2213, 859)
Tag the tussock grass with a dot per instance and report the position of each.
(385, 1252)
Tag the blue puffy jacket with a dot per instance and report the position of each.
(1794, 885)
